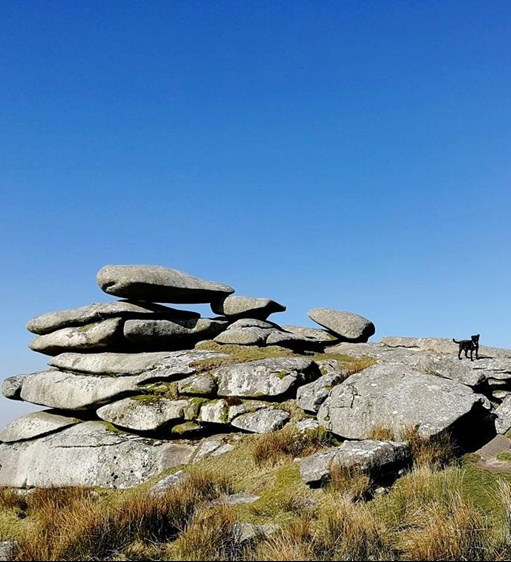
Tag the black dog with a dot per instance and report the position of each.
(468, 345)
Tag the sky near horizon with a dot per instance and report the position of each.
(353, 155)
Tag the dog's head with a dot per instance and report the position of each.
(475, 338)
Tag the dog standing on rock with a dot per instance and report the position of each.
(468, 345)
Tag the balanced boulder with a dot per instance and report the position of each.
(158, 284)
(246, 307)
(348, 326)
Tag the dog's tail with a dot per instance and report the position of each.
(455, 341)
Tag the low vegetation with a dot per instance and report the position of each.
(242, 353)
(441, 509)
(288, 443)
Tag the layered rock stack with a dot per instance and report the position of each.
(131, 393)
(136, 387)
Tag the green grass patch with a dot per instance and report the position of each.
(236, 354)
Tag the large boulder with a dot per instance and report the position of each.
(89, 337)
(88, 454)
(348, 326)
(246, 331)
(70, 391)
(96, 312)
(264, 420)
(373, 457)
(142, 412)
(176, 333)
(155, 283)
(396, 397)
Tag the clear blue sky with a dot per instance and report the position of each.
(346, 154)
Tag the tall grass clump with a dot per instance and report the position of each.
(210, 535)
(436, 451)
(349, 481)
(288, 443)
(11, 499)
(293, 542)
(339, 530)
(452, 530)
(78, 527)
(348, 531)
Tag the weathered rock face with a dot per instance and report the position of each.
(262, 421)
(395, 397)
(503, 413)
(159, 284)
(310, 396)
(265, 377)
(320, 336)
(347, 325)
(155, 363)
(69, 391)
(451, 368)
(246, 332)
(368, 456)
(441, 345)
(88, 454)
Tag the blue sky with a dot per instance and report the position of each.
(346, 154)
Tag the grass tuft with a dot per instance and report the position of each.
(288, 443)
(211, 535)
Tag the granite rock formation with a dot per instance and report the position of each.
(135, 387)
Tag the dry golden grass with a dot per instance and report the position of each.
(287, 443)
(75, 526)
(339, 530)
(11, 499)
(210, 535)
(294, 542)
(504, 495)
(425, 516)
(452, 530)
(348, 531)
(381, 433)
(436, 451)
(359, 364)
(349, 482)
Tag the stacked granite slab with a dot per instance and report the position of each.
(128, 394)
